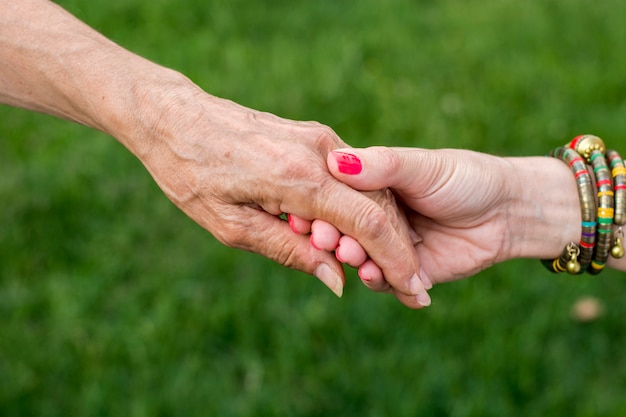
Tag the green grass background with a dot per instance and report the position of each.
(113, 303)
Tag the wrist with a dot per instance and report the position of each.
(145, 105)
(544, 208)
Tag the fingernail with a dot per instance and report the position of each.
(415, 238)
(426, 281)
(330, 279)
(313, 243)
(348, 163)
(415, 285)
(364, 278)
(423, 299)
(290, 220)
(339, 256)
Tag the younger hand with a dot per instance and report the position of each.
(456, 202)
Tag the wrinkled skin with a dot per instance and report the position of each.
(232, 169)
(268, 166)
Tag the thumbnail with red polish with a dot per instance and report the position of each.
(348, 163)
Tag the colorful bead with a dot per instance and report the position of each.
(619, 180)
(598, 215)
(596, 267)
(586, 144)
(604, 185)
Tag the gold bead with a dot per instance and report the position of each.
(588, 144)
(573, 266)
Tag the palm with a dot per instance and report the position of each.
(458, 214)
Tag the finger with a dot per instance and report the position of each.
(420, 301)
(383, 231)
(374, 221)
(386, 200)
(378, 168)
(298, 224)
(372, 168)
(376, 227)
(372, 276)
(271, 237)
(324, 236)
(350, 252)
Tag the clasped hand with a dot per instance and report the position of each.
(456, 203)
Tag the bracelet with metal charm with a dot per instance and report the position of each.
(579, 254)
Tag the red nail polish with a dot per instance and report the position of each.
(364, 278)
(313, 244)
(348, 163)
(291, 226)
(338, 256)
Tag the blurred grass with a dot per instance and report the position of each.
(114, 303)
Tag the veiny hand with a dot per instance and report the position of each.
(235, 171)
(232, 169)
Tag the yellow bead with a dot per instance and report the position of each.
(597, 266)
(605, 212)
(618, 171)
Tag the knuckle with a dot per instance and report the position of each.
(326, 138)
(389, 159)
(232, 233)
(281, 251)
(300, 171)
(287, 256)
(372, 222)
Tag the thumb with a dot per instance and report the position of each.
(372, 168)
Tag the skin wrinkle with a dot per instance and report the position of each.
(437, 246)
(493, 245)
(53, 63)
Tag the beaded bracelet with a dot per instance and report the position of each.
(598, 217)
(604, 187)
(584, 250)
(618, 173)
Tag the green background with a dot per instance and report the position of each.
(113, 302)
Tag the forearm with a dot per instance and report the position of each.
(545, 213)
(52, 63)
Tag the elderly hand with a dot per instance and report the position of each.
(235, 171)
(232, 169)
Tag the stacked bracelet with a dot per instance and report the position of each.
(588, 211)
(598, 214)
(604, 188)
(618, 172)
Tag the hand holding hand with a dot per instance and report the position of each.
(235, 171)
(469, 209)
(232, 169)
